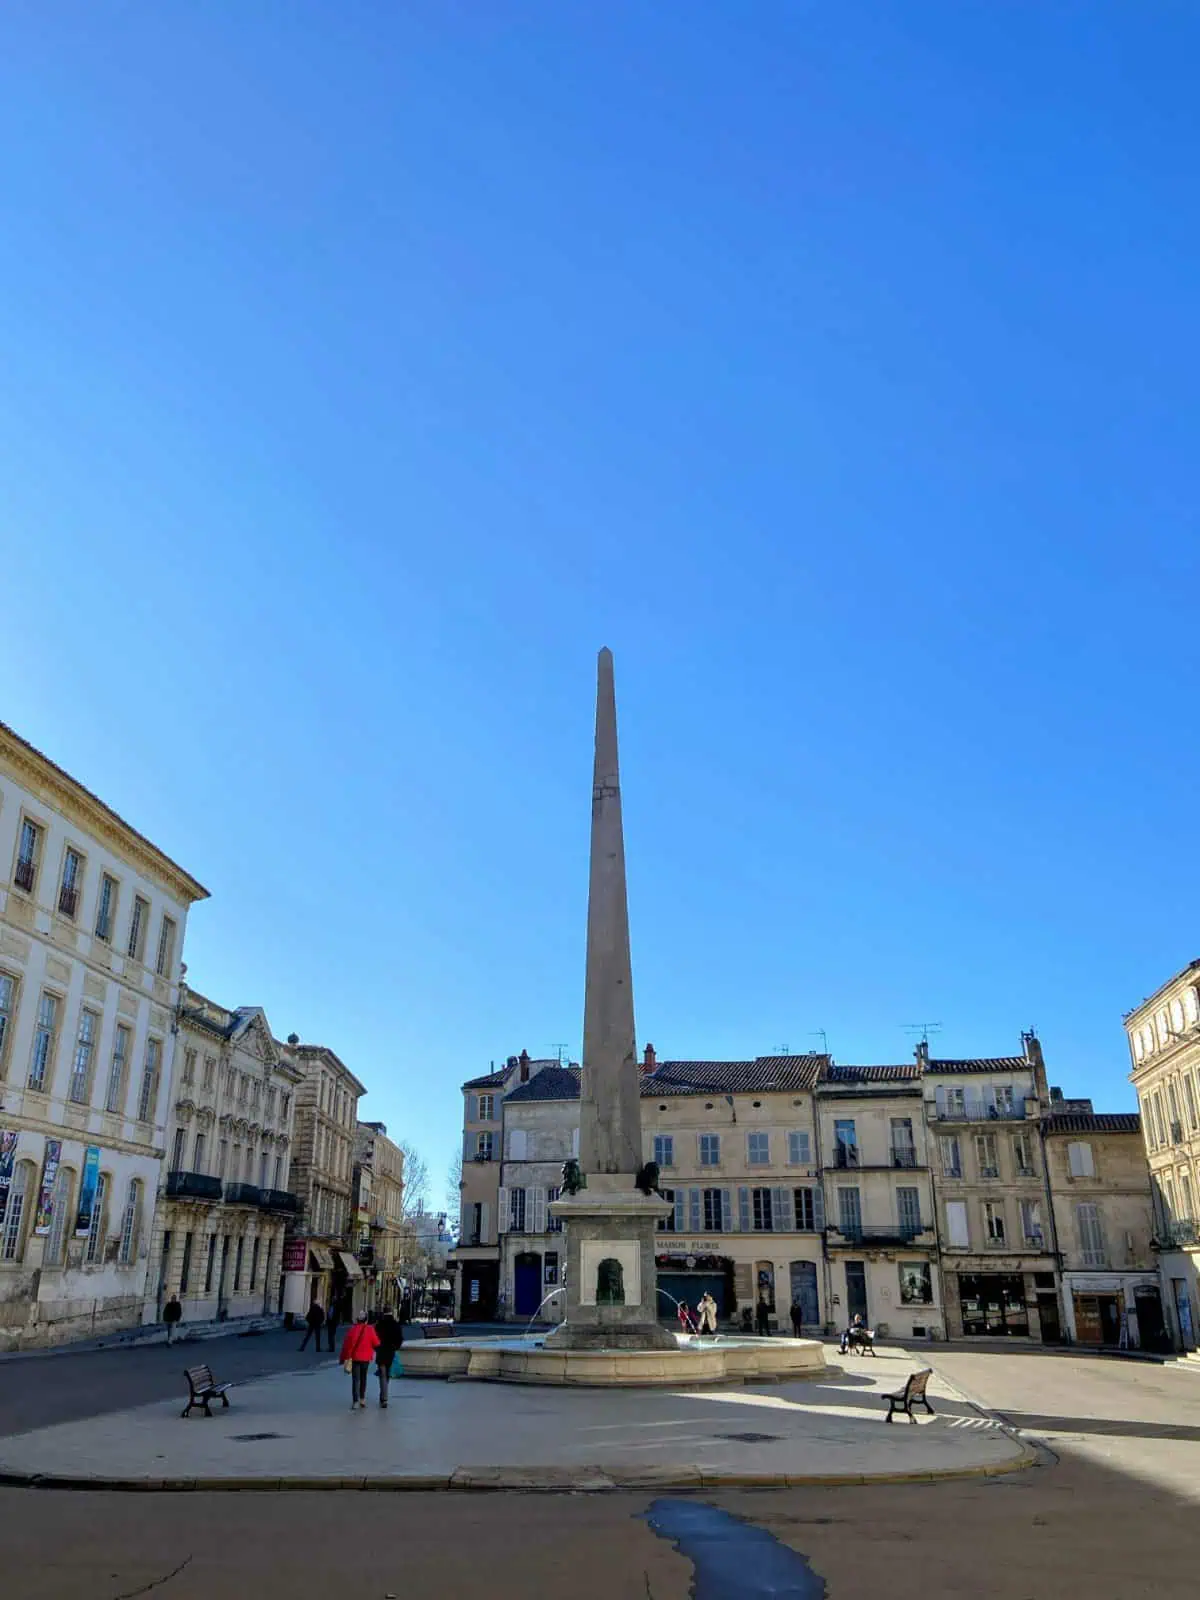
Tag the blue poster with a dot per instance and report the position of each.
(87, 1191)
(8, 1152)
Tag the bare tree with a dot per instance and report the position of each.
(416, 1181)
(454, 1175)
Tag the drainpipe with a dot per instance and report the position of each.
(826, 1270)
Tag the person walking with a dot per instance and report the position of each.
(172, 1316)
(762, 1317)
(314, 1319)
(797, 1317)
(333, 1319)
(708, 1313)
(391, 1337)
(358, 1348)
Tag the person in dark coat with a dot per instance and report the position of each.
(172, 1314)
(333, 1318)
(797, 1319)
(762, 1317)
(391, 1337)
(314, 1318)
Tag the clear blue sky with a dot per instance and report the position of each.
(366, 367)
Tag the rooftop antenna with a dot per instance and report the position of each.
(923, 1028)
(819, 1033)
(563, 1052)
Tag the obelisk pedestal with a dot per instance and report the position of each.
(611, 1281)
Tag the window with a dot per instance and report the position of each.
(235, 1175)
(72, 878)
(237, 1265)
(60, 1214)
(106, 907)
(908, 1210)
(189, 1066)
(516, 1211)
(185, 1270)
(553, 1223)
(849, 1213)
(177, 1150)
(1159, 1121)
(1079, 1159)
(28, 854)
(45, 1039)
(242, 1081)
(81, 1068)
(916, 1283)
(799, 1149)
(255, 1094)
(95, 1238)
(14, 1215)
(277, 1179)
(271, 1105)
(164, 960)
(518, 1144)
(114, 1099)
(804, 1201)
(254, 1264)
(1023, 1155)
(664, 1150)
(957, 1233)
(716, 1204)
(198, 1154)
(550, 1265)
(1176, 1016)
(1169, 1192)
(951, 1157)
(904, 1150)
(137, 928)
(956, 1101)
(1190, 1096)
(758, 1149)
(8, 1006)
(129, 1223)
(987, 1155)
(148, 1099)
(1004, 1099)
(710, 1149)
(262, 1169)
(483, 1146)
(845, 1143)
(667, 1224)
(1091, 1235)
(1031, 1223)
(762, 1211)
(487, 1107)
(210, 1263)
(993, 1222)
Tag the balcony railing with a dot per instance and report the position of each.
(846, 1155)
(1182, 1231)
(882, 1232)
(243, 1194)
(25, 876)
(279, 1200)
(904, 1156)
(68, 900)
(974, 1110)
(193, 1186)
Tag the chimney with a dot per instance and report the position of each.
(649, 1059)
(524, 1060)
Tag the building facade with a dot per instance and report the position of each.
(92, 923)
(1000, 1275)
(320, 1254)
(540, 1131)
(881, 1239)
(1103, 1221)
(383, 1238)
(224, 1201)
(1164, 1049)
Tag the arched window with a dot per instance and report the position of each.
(1139, 1048)
(61, 1216)
(1177, 1016)
(129, 1222)
(12, 1240)
(94, 1250)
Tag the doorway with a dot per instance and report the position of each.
(481, 1282)
(1048, 1316)
(1152, 1328)
(856, 1290)
(527, 1283)
(804, 1289)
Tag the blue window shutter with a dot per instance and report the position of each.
(940, 1097)
(726, 1212)
(818, 1207)
(781, 1205)
(473, 1108)
(680, 1224)
(744, 1210)
(694, 1210)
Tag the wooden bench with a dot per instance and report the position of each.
(204, 1389)
(913, 1393)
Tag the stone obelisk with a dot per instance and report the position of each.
(612, 1294)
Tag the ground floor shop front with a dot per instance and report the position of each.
(1116, 1310)
(895, 1293)
(1003, 1300)
(320, 1270)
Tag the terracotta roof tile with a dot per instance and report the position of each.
(1094, 1122)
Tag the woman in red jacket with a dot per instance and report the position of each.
(358, 1349)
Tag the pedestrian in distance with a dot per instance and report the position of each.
(172, 1316)
(797, 1318)
(391, 1337)
(358, 1349)
(708, 1313)
(762, 1317)
(333, 1318)
(687, 1322)
(314, 1319)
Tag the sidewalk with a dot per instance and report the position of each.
(150, 1333)
(297, 1430)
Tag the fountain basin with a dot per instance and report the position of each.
(526, 1359)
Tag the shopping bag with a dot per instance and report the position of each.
(347, 1366)
(396, 1370)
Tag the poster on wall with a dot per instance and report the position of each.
(41, 1223)
(295, 1255)
(87, 1191)
(8, 1154)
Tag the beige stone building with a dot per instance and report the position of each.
(1164, 1048)
(224, 1201)
(92, 922)
(384, 1241)
(321, 1251)
(1103, 1220)
(1000, 1275)
(881, 1240)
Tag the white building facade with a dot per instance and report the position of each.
(92, 923)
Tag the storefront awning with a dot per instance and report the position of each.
(322, 1256)
(353, 1270)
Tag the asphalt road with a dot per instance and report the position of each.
(40, 1390)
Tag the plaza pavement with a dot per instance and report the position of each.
(297, 1430)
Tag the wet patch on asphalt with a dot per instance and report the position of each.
(732, 1559)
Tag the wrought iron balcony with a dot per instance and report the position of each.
(904, 1155)
(68, 900)
(846, 1155)
(876, 1232)
(192, 1186)
(975, 1110)
(279, 1200)
(1172, 1234)
(25, 876)
(243, 1194)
